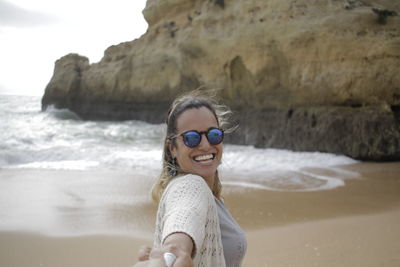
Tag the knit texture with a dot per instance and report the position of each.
(188, 206)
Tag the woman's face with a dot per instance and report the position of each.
(203, 159)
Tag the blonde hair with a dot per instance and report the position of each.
(194, 99)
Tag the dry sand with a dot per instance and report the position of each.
(369, 240)
(354, 225)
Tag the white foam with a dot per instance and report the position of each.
(284, 170)
(247, 185)
(248, 158)
(58, 165)
(63, 114)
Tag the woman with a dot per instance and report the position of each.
(193, 227)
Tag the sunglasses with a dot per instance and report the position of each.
(192, 138)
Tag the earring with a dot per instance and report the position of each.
(173, 170)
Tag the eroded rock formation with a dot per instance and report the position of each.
(303, 75)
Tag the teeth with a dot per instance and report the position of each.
(204, 157)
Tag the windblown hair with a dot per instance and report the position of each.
(170, 168)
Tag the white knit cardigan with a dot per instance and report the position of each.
(188, 206)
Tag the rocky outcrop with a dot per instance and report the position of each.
(65, 82)
(370, 133)
(301, 74)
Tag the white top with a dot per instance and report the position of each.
(188, 206)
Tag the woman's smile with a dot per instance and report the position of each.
(204, 159)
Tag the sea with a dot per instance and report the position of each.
(64, 152)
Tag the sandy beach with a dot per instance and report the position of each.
(352, 225)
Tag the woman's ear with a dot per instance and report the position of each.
(172, 149)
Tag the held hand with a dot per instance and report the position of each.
(155, 258)
(144, 253)
(179, 244)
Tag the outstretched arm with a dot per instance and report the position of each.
(180, 244)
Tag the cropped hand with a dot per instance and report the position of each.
(180, 244)
(149, 257)
(144, 253)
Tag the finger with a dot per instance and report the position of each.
(144, 253)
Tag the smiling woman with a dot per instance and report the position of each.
(34, 34)
(193, 226)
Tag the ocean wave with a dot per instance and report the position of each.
(58, 165)
(62, 114)
(59, 139)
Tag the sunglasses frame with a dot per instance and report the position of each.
(201, 136)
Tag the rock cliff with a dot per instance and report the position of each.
(301, 74)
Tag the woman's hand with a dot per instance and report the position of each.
(180, 244)
(155, 258)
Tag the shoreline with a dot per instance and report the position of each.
(376, 190)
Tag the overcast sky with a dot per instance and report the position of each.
(34, 34)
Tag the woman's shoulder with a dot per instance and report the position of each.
(189, 183)
(191, 179)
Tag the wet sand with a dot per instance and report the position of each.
(354, 225)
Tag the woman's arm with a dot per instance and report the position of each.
(184, 215)
(180, 244)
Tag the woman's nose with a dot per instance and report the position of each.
(204, 144)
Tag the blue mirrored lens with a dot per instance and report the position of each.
(192, 138)
(215, 136)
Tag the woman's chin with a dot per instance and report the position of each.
(207, 175)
